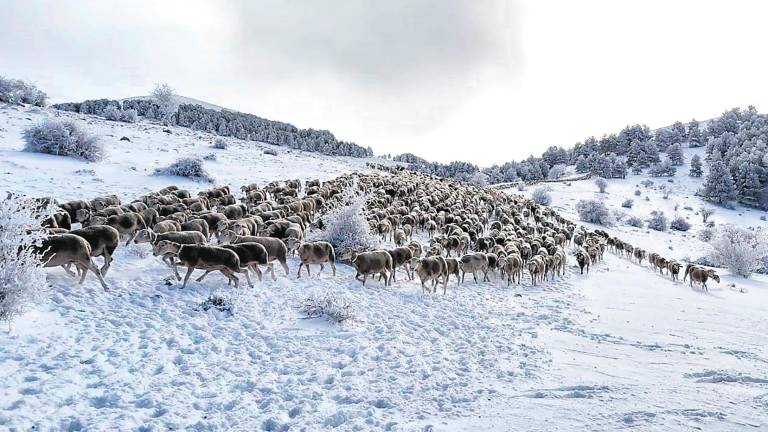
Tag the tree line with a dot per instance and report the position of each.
(225, 123)
(736, 156)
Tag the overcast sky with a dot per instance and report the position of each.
(481, 81)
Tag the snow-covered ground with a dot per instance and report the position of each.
(619, 348)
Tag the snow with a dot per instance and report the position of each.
(619, 348)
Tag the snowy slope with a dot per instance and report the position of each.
(619, 348)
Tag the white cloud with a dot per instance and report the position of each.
(483, 81)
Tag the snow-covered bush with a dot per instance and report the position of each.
(663, 169)
(22, 278)
(186, 167)
(680, 224)
(635, 221)
(63, 138)
(542, 196)
(270, 152)
(111, 113)
(347, 228)
(332, 306)
(129, 116)
(210, 157)
(17, 92)
(628, 203)
(556, 172)
(739, 249)
(706, 213)
(647, 183)
(219, 143)
(637, 192)
(114, 113)
(707, 234)
(657, 221)
(594, 211)
(601, 184)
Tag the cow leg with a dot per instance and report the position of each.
(298, 273)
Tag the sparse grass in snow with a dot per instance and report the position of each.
(332, 306)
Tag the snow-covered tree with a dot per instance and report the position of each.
(740, 249)
(22, 278)
(165, 96)
(706, 213)
(718, 186)
(675, 154)
(582, 165)
(693, 135)
(696, 169)
(556, 172)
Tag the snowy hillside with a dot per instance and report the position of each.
(129, 165)
(620, 348)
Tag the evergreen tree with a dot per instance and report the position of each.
(636, 154)
(582, 165)
(675, 154)
(718, 186)
(696, 170)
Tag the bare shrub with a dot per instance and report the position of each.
(332, 306)
(347, 228)
(680, 224)
(657, 221)
(635, 221)
(594, 211)
(706, 213)
(628, 203)
(15, 91)
(220, 143)
(22, 277)
(541, 195)
(739, 249)
(186, 167)
(601, 184)
(63, 138)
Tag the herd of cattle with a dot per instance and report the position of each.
(465, 228)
